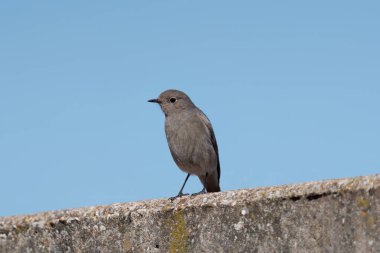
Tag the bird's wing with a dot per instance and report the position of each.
(208, 125)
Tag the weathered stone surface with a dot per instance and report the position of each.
(329, 216)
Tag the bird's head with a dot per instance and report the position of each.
(173, 101)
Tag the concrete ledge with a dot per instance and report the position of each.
(328, 216)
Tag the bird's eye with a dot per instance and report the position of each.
(172, 100)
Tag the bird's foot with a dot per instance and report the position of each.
(178, 196)
(199, 193)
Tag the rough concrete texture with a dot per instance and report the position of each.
(329, 216)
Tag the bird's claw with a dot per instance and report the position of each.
(199, 193)
(178, 196)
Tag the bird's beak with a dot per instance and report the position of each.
(155, 100)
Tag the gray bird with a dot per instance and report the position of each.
(191, 139)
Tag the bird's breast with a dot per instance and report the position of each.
(189, 144)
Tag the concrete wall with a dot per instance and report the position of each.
(329, 216)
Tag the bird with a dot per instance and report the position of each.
(191, 140)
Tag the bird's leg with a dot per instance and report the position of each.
(183, 186)
(180, 194)
(203, 190)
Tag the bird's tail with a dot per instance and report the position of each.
(213, 188)
(212, 183)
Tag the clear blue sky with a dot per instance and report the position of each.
(292, 89)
